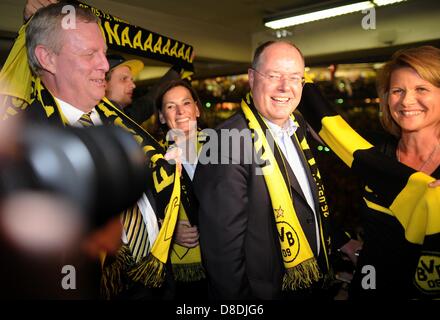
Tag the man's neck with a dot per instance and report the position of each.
(50, 84)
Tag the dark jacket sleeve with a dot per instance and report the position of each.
(223, 217)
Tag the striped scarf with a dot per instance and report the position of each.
(187, 262)
(300, 263)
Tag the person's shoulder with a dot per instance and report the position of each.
(35, 111)
(237, 121)
(384, 142)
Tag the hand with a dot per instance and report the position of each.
(186, 235)
(174, 154)
(32, 6)
(434, 184)
(351, 249)
(107, 238)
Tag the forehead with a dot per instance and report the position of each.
(122, 70)
(403, 73)
(178, 92)
(85, 35)
(281, 55)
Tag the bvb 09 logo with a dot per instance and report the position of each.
(427, 277)
(289, 240)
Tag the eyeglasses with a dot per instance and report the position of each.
(275, 78)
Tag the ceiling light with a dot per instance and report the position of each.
(319, 12)
(386, 2)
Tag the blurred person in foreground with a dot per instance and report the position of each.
(178, 109)
(70, 64)
(263, 216)
(409, 89)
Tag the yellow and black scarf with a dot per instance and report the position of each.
(187, 262)
(164, 182)
(398, 190)
(300, 263)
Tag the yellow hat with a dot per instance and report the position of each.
(116, 60)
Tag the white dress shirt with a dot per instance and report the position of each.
(73, 114)
(283, 139)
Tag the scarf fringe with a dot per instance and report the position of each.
(112, 274)
(188, 272)
(149, 271)
(301, 276)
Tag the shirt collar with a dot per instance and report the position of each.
(71, 113)
(289, 127)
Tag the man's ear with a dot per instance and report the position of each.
(46, 58)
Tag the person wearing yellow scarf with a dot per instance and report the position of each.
(401, 221)
(178, 109)
(263, 211)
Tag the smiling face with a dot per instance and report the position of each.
(179, 110)
(80, 66)
(414, 102)
(278, 97)
(120, 86)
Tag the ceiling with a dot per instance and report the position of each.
(225, 33)
(243, 15)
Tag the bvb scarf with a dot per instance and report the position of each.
(150, 271)
(398, 190)
(301, 265)
(187, 262)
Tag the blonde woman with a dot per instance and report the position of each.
(409, 89)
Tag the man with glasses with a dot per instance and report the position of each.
(263, 230)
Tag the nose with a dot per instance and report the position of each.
(132, 84)
(283, 84)
(103, 62)
(409, 97)
(179, 109)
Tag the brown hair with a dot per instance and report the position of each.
(424, 60)
(162, 90)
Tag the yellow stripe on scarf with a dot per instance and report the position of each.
(187, 262)
(150, 271)
(418, 208)
(16, 76)
(335, 127)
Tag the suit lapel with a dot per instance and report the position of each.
(310, 178)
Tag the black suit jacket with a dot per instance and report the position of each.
(239, 240)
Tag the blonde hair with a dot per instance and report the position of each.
(424, 60)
